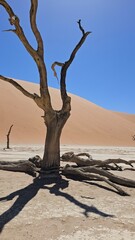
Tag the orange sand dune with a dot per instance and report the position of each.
(89, 124)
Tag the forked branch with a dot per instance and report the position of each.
(66, 65)
(37, 55)
(80, 26)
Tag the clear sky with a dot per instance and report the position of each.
(103, 71)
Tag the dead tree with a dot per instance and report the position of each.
(8, 136)
(86, 169)
(54, 120)
(133, 137)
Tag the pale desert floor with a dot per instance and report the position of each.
(70, 210)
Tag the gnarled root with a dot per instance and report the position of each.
(36, 161)
(111, 164)
(90, 169)
(19, 166)
(85, 168)
(78, 172)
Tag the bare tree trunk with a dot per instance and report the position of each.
(8, 136)
(55, 122)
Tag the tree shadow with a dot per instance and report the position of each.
(101, 186)
(28, 193)
(86, 209)
(96, 183)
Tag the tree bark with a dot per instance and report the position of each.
(55, 121)
(68, 170)
(105, 164)
(19, 166)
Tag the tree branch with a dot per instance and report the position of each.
(18, 86)
(38, 100)
(33, 12)
(53, 68)
(40, 56)
(36, 55)
(9, 30)
(64, 96)
(80, 26)
(14, 20)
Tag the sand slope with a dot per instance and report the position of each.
(88, 124)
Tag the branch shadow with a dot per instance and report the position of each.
(101, 186)
(26, 194)
(96, 183)
(86, 209)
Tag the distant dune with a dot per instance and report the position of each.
(89, 124)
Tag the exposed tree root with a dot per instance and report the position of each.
(84, 168)
(71, 157)
(19, 166)
(90, 169)
(36, 161)
(67, 170)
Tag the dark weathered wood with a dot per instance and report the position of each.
(75, 158)
(8, 136)
(133, 137)
(67, 170)
(90, 169)
(19, 166)
(116, 179)
(33, 166)
(36, 160)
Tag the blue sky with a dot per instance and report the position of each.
(103, 71)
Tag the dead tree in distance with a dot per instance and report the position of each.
(133, 137)
(8, 137)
